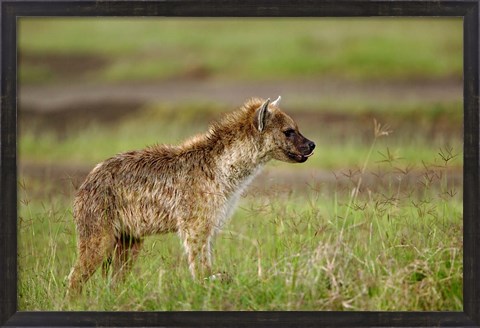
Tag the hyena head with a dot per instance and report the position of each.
(279, 135)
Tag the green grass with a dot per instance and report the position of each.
(249, 49)
(390, 249)
(394, 246)
(321, 248)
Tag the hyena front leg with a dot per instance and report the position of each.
(195, 242)
(206, 256)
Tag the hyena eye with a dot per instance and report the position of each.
(289, 133)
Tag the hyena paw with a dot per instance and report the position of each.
(220, 276)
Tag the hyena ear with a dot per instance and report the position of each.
(276, 102)
(261, 115)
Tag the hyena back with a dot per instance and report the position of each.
(189, 189)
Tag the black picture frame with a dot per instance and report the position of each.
(11, 10)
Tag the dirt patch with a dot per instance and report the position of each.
(234, 93)
(195, 72)
(77, 116)
(63, 66)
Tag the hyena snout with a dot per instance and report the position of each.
(305, 149)
(302, 149)
(308, 147)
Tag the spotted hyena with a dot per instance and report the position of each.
(190, 189)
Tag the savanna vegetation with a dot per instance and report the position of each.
(372, 221)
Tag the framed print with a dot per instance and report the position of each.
(255, 163)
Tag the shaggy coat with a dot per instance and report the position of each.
(190, 189)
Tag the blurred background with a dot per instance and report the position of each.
(93, 87)
(90, 88)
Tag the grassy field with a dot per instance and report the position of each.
(155, 49)
(390, 249)
(377, 223)
(323, 247)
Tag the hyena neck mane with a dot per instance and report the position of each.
(232, 146)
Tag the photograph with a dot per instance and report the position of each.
(240, 164)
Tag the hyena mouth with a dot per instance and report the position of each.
(300, 158)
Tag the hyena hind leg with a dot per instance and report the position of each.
(125, 252)
(91, 253)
